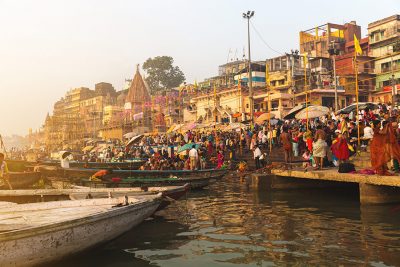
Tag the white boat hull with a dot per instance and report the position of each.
(47, 244)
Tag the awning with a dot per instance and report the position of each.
(237, 115)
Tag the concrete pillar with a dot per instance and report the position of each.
(271, 182)
(260, 181)
(377, 194)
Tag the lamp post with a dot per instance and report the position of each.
(294, 56)
(333, 52)
(248, 16)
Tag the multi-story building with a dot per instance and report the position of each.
(384, 42)
(315, 44)
(345, 72)
(77, 116)
(285, 79)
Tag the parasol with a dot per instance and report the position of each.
(263, 117)
(171, 129)
(178, 127)
(234, 126)
(190, 126)
(129, 135)
(361, 106)
(274, 122)
(187, 147)
(134, 139)
(313, 112)
(65, 154)
(292, 113)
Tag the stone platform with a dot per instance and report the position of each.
(373, 189)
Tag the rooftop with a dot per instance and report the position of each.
(382, 21)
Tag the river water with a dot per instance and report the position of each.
(231, 224)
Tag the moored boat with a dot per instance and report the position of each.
(81, 192)
(77, 173)
(23, 180)
(133, 164)
(195, 183)
(49, 231)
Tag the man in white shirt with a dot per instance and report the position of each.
(368, 135)
(257, 155)
(193, 155)
(65, 163)
(264, 139)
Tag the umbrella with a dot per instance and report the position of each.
(134, 139)
(199, 126)
(361, 105)
(292, 113)
(190, 126)
(178, 127)
(274, 122)
(65, 154)
(87, 148)
(171, 128)
(188, 146)
(263, 117)
(313, 112)
(234, 126)
(129, 135)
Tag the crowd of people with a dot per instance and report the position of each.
(321, 142)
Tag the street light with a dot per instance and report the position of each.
(248, 16)
(333, 52)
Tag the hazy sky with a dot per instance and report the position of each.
(50, 46)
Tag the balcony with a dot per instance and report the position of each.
(389, 69)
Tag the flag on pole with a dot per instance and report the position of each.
(357, 47)
(305, 60)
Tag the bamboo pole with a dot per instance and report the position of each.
(357, 108)
(269, 105)
(305, 88)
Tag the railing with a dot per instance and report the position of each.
(389, 69)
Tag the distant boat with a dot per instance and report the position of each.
(133, 164)
(195, 182)
(38, 233)
(78, 173)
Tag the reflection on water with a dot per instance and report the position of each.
(230, 224)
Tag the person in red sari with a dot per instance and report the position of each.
(384, 147)
(340, 147)
(220, 159)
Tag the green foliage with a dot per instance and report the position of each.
(161, 74)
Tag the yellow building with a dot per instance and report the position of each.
(111, 113)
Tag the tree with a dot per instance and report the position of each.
(161, 74)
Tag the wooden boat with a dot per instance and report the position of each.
(125, 165)
(80, 192)
(17, 165)
(38, 233)
(22, 180)
(195, 183)
(170, 193)
(75, 174)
